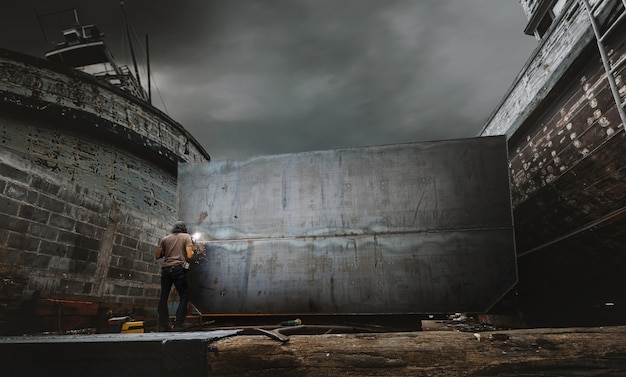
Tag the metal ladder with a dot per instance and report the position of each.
(600, 38)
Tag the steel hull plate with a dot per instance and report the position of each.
(409, 228)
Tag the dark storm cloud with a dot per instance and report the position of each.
(262, 77)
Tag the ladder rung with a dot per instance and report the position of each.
(613, 26)
(617, 65)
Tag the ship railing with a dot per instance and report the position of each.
(124, 80)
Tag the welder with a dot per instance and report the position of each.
(177, 249)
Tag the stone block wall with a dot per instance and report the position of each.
(59, 239)
(88, 186)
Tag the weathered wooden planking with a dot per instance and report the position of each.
(87, 187)
(567, 161)
(555, 54)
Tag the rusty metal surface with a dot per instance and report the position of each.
(567, 161)
(112, 355)
(568, 166)
(409, 228)
(566, 152)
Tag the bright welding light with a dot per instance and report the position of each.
(196, 236)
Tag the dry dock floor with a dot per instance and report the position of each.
(436, 351)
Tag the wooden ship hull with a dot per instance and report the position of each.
(88, 185)
(567, 169)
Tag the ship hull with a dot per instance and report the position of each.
(567, 169)
(87, 186)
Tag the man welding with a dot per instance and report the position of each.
(177, 249)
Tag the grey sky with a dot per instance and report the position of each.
(256, 77)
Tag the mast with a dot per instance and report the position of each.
(130, 43)
(148, 63)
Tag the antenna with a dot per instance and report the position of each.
(45, 38)
(40, 16)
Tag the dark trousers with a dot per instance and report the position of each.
(176, 275)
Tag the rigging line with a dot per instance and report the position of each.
(125, 41)
(159, 95)
(132, 51)
(134, 35)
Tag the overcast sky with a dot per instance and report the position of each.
(259, 77)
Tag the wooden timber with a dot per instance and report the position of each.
(527, 352)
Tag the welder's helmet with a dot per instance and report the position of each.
(179, 227)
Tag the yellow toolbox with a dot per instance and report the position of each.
(125, 325)
(132, 327)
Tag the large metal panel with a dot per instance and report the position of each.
(409, 228)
